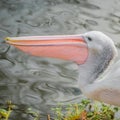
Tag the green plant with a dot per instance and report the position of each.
(5, 112)
(86, 110)
(36, 115)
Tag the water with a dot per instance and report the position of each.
(41, 83)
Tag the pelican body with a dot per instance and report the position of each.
(93, 52)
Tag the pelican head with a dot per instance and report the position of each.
(102, 52)
(101, 47)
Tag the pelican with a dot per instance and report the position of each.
(93, 52)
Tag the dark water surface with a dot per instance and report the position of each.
(40, 82)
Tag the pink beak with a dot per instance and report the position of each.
(68, 47)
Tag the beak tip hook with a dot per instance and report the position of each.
(7, 39)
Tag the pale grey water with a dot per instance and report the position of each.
(40, 82)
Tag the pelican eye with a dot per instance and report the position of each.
(89, 38)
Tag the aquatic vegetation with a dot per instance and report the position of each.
(5, 112)
(86, 110)
(9, 107)
(36, 115)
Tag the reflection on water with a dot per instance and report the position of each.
(41, 82)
